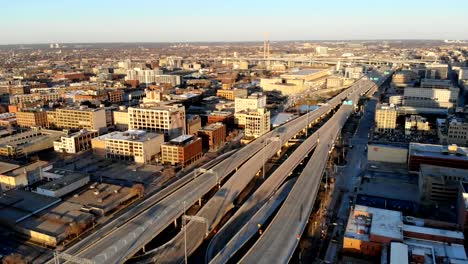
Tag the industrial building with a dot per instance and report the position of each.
(64, 185)
(120, 118)
(13, 176)
(193, 124)
(183, 150)
(132, 145)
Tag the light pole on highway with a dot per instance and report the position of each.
(185, 235)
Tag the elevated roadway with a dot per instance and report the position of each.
(126, 239)
(278, 243)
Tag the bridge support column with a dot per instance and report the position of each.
(199, 201)
(175, 223)
(143, 249)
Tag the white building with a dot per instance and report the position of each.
(152, 76)
(169, 119)
(430, 97)
(252, 102)
(255, 123)
(133, 145)
(76, 142)
(64, 185)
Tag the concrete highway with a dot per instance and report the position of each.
(126, 239)
(175, 250)
(120, 219)
(278, 243)
(252, 226)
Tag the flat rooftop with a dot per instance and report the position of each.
(182, 139)
(455, 252)
(433, 231)
(438, 171)
(6, 167)
(303, 72)
(59, 183)
(55, 220)
(103, 196)
(130, 135)
(28, 168)
(366, 221)
(212, 127)
(439, 151)
(17, 205)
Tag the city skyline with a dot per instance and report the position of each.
(210, 21)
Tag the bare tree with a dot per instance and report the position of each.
(138, 190)
(14, 259)
(169, 172)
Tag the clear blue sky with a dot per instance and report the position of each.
(45, 21)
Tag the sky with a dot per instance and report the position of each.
(84, 21)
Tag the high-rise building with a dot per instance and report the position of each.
(385, 118)
(167, 119)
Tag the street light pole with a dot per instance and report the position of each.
(185, 235)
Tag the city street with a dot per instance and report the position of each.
(347, 177)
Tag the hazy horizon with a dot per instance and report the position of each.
(106, 21)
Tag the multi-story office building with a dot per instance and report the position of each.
(183, 150)
(79, 117)
(231, 94)
(38, 97)
(133, 145)
(255, 123)
(385, 118)
(169, 119)
(115, 95)
(152, 76)
(439, 184)
(213, 136)
(321, 50)
(75, 142)
(120, 118)
(430, 97)
(31, 118)
(436, 71)
(193, 124)
(457, 131)
(252, 102)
